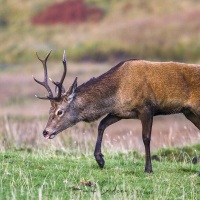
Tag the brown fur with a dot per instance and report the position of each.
(168, 87)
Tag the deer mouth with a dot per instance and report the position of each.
(51, 136)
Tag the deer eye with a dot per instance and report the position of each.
(59, 112)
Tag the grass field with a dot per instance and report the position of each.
(64, 168)
(27, 174)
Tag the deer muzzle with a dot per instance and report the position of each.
(48, 135)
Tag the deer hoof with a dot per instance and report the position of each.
(100, 160)
(148, 171)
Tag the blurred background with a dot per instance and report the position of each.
(96, 36)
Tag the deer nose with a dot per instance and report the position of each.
(45, 133)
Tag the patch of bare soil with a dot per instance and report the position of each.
(66, 12)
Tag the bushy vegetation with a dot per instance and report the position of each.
(152, 30)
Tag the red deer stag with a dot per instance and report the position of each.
(133, 89)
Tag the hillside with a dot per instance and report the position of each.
(154, 30)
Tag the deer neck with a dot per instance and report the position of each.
(94, 103)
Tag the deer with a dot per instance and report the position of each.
(133, 89)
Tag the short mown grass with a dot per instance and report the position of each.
(37, 174)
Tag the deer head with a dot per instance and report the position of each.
(61, 114)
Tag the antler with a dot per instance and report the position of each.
(59, 84)
(45, 82)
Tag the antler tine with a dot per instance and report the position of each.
(44, 62)
(65, 68)
(45, 82)
(46, 58)
(59, 84)
(45, 98)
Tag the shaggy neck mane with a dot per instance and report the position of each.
(97, 96)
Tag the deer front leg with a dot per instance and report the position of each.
(146, 117)
(105, 122)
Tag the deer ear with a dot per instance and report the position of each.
(72, 89)
(53, 103)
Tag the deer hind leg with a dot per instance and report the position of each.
(146, 117)
(105, 122)
(193, 117)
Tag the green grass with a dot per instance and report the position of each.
(28, 174)
(181, 154)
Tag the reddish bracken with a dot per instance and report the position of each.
(71, 11)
